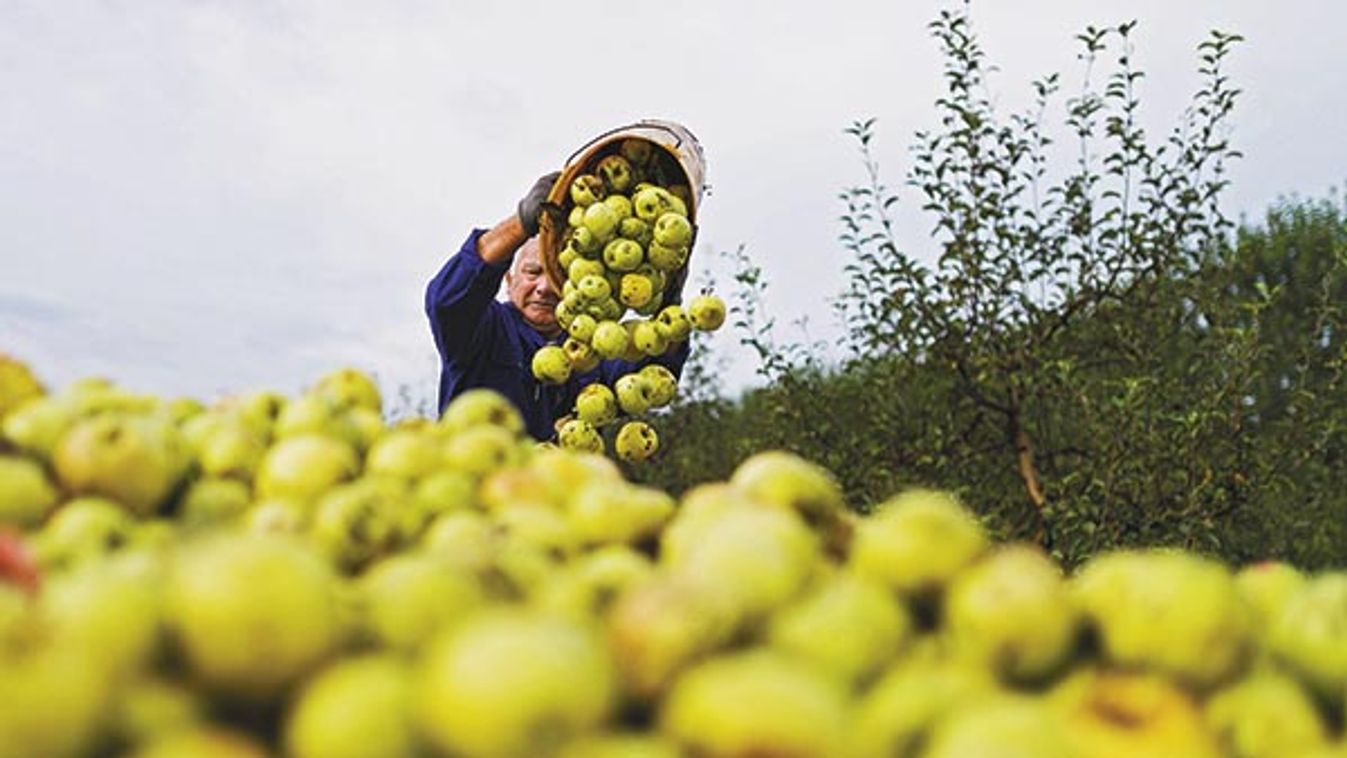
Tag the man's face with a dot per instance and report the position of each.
(530, 291)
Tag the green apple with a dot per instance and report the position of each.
(230, 448)
(648, 339)
(565, 258)
(82, 529)
(583, 326)
(633, 352)
(610, 339)
(304, 467)
(252, 614)
(583, 267)
(897, 714)
(664, 257)
(602, 221)
(349, 388)
(468, 539)
(480, 450)
(635, 229)
(756, 703)
(581, 356)
(259, 410)
(36, 426)
(356, 708)
(443, 491)
(576, 218)
(408, 598)
(481, 406)
(762, 558)
(550, 365)
(673, 323)
(609, 309)
(276, 515)
(633, 394)
(1113, 714)
(150, 707)
(583, 241)
(543, 530)
(109, 609)
(587, 190)
(1309, 634)
(593, 289)
(663, 384)
(706, 312)
(18, 385)
(1265, 587)
(211, 501)
(1167, 611)
(636, 290)
(1265, 715)
(1013, 613)
(785, 480)
(649, 203)
(596, 404)
(622, 255)
(605, 513)
(656, 628)
(672, 230)
(565, 472)
(404, 454)
(590, 584)
(616, 172)
(578, 434)
(849, 627)
(636, 441)
(513, 682)
(621, 206)
(565, 313)
(136, 460)
(658, 279)
(356, 523)
(698, 510)
(53, 702)
(26, 495)
(1007, 726)
(917, 541)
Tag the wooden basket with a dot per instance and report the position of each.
(670, 139)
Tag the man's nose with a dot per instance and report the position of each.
(544, 285)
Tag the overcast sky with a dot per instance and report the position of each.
(212, 196)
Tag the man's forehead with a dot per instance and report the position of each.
(527, 255)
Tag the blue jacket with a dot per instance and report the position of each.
(487, 343)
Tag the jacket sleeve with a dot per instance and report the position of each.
(458, 301)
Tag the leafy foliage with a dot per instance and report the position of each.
(1095, 357)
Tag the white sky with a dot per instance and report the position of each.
(208, 196)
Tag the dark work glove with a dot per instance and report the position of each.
(535, 202)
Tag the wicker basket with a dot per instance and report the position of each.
(683, 155)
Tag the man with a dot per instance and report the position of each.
(487, 343)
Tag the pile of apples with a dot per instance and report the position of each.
(627, 235)
(291, 576)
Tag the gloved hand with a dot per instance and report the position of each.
(535, 202)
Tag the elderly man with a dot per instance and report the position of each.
(487, 343)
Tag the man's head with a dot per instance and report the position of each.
(530, 291)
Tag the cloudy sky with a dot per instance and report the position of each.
(208, 196)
